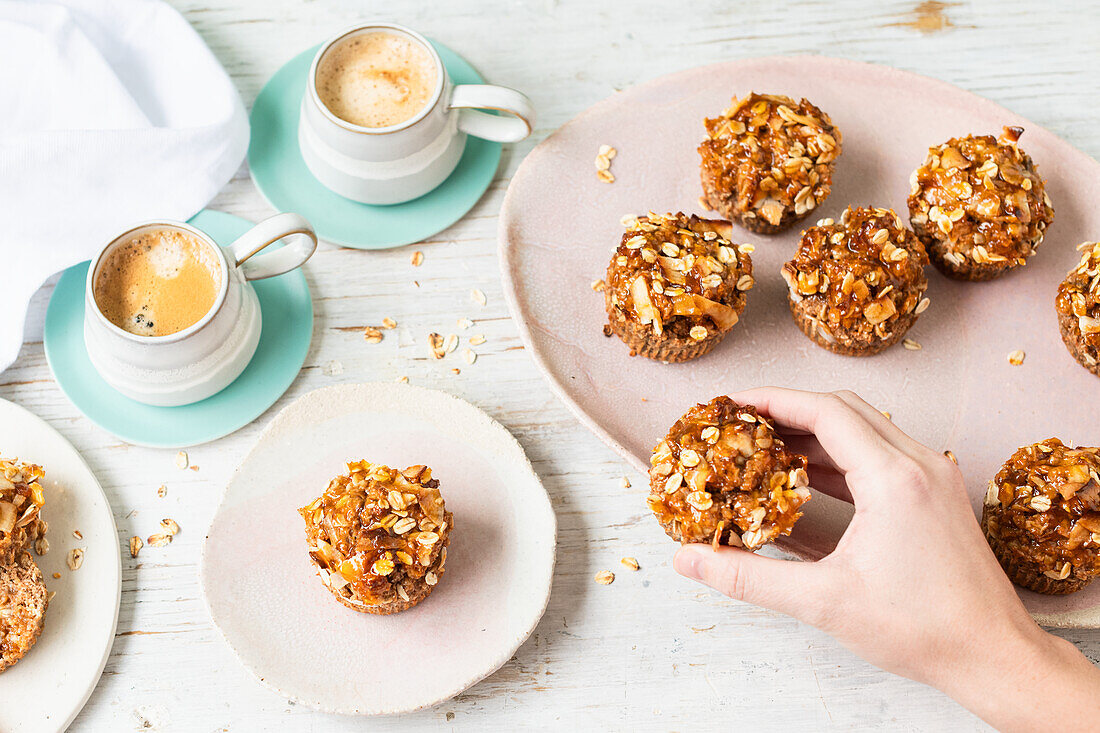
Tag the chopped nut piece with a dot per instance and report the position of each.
(624, 482)
(159, 540)
(181, 460)
(403, 379)
(135, 545)
(162, 491)
(1016, 358)
(605, 577)
(77, 534)
(598, 285)
(372, 335)
(75, 558)
(630, 562)
(417, 258)
(951, 457)
(56, 576)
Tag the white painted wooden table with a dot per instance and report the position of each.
(651, 651)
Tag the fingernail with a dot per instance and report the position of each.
(687, 563)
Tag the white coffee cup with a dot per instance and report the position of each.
(390, 165)
(204, 358)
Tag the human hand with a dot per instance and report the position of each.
(912, 585)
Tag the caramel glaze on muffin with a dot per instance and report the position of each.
(1078, 306)
(676, 285)
(856, 286)
(723, 476)
(1042, 517)
(21, 499)
(379, 536)
(979, 206)
(768, 161)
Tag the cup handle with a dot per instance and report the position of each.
(469, 99)
(271, 230)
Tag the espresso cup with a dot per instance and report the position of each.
(407, 159)
(205, 357)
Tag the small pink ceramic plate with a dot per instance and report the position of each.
(264, 595)
(560, 224)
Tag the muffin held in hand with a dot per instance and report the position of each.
(676, 286)
(979, 206)
(768, 161)
(1078, 305)
(855, 287)
(379, 536)
(1042, 517)
(23, 602)
(21, 498)
(723, 476)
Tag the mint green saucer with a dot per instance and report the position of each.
(287, 329)
(284, 180)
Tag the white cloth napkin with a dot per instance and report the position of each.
(112, 112)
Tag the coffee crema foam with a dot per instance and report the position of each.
(376, 79)
(157, 283)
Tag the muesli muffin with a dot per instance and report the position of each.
(723, 476)
(979, 206)
(379, 536)
(768, 161)
(857, 285)
(1078, 306)
(21, 499)
(23, 603)
(1042, 517)
(676, 285)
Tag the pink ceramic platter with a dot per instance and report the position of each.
(560, 224)
(263, 592)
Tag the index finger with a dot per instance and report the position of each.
(846, 435)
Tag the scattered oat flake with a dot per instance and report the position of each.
(951, 457)
(388, 323)
(181, 460)
(704, 204)
(403, 379)
(372, 335)
(450, 343)
(456, 370)
(464, 323)
(598, 285)
(605, 577)
(469, 356)
(605, 176)
(169, 526)
(625, 482)
(75, 558)
(41, 546)
(159, 540)
(56, 576)
(477, 340)
(135, 545)
(1016, 358)
(478, 296)
(630, 562)
(332, 368)
(417, 258)
(911, 345)
(193, 467)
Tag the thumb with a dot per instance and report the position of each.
(790, 587)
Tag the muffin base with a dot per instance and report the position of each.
(667, 347)
(386, 609)
(21, 581)
(1072, 338)
(807, 326)
(757, 223)
(1025, 574)
(970, 271)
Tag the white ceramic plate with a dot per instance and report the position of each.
(263, 593)
(46, 689)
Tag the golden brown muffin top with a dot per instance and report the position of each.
(376, 526)
(983, 198)
(678, 266)
(1079, 295)
(21, 498)
(773, 153)
(867, 269)
(1049, 500)
(722, 475)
